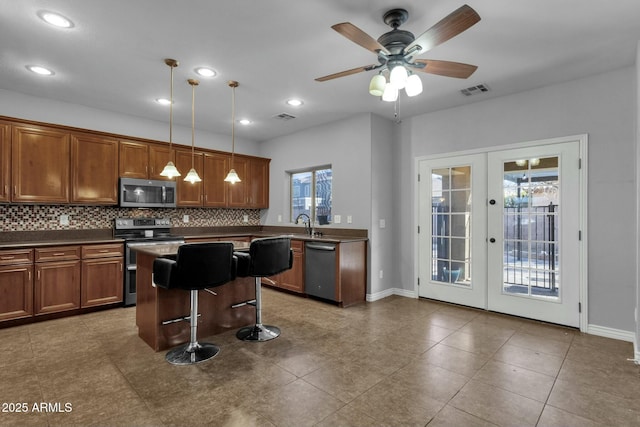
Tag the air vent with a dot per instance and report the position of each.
(473, 90)
(284, 116)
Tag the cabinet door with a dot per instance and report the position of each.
(57, 286)
(40, 162)
(102, 281)
(5, 161)
(216, 167)
(188, 194)
(258, 183)
(16, 288)
(94, 170)
(159, 155)
(238, 194)
(293, 279)
(134, 160)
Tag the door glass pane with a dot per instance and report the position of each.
(451, 225)
(530, 222)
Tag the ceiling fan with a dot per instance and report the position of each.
(397, 49)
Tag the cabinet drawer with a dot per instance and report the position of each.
(16, 256)
(103, 251)
(57, 253)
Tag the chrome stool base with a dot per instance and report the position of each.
(189, 354)
(258, 333)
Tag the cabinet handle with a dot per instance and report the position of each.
(6, 190)
(104, 250)
(58, 254)
(7, 257)
(120, 267)
(29, 275)
(38, 274)
(15, 190)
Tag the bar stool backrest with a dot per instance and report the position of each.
(203, 265)
(270, 255)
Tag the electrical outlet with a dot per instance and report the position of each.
(245, 218)
(64, 219)
(349, 219)
(279, 218)
(185, 218)
(337, 219)
(383, 223)
(381, 274)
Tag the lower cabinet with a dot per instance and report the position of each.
(293, 279)
(45, 280)
(102, 270)
(57, 279)
(16, 284)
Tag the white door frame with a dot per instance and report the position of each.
(583, 141)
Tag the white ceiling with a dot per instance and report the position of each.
(113, 58)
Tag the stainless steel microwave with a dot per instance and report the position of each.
(147, 193)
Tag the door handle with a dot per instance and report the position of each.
(492, 240)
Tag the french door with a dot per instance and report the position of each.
(501, 231)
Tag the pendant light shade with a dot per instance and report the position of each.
(232, 176)
(192, 175)
(170, 170)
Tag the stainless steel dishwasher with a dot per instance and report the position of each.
(320, 270)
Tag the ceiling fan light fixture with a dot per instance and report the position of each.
(414, 85)
(398, 76)
(390, 93)
(377, 85)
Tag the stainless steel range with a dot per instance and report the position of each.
(138, 232)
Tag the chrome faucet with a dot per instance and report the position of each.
(307, 224)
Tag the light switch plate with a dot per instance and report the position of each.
(349, 219)
(185, 218)
(64, 219)
(245, 218)
(383, 223)
(337, 219)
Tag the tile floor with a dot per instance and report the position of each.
(394, 362)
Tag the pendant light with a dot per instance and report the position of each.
(193, 176)
(170, 170)
(232, 176)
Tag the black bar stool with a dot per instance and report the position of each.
(266, 257)
(197, 266)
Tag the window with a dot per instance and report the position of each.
(311, 194)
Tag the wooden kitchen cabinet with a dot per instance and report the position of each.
(40, 164)
(159, 156)
(253, 191)
(216, 167)
(134, 160)
(94, 170)
(57, 279)
(5, 161)
(189, 194)
(293, 279)
(16, 284)
(102, 272)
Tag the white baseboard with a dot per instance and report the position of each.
(601, 331)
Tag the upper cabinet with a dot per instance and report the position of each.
(40, 164)
(253, 191)
(134, 160)
(189, 194)
(5, 161)
(215, 168)
(94, 170)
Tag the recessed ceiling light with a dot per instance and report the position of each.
(244, 122)
(205, 72)
(55, 19)
(163, 101)
(40, 70)
(294, 102)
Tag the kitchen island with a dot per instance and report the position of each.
(156, 305)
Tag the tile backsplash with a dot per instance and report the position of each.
(47, 217)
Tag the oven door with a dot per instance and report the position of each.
(130, 270)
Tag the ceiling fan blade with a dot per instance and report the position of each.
(346, 73)
(358, 36)
(447, 28)
(446, 68)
